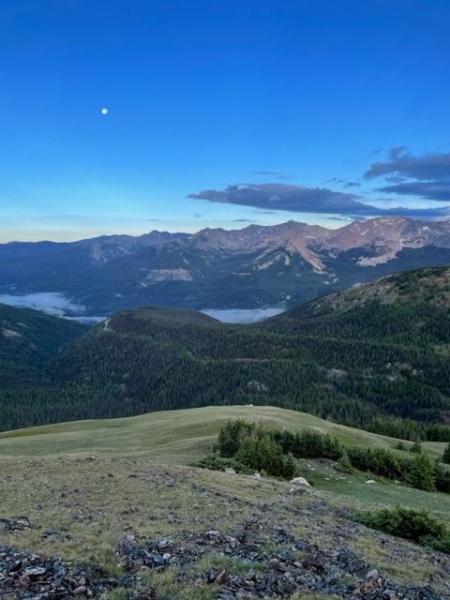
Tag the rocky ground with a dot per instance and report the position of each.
(163, 533)
(259, 560)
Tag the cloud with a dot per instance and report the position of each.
(279, 196)
(296, 198)
(243, 221)
(404, 164)
(343, 182)
(430, 190)
(351, 184)
(426, 176)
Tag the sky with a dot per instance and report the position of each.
(220, 113)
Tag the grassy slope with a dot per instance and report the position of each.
(93, 481)
(179, 436)
(182, 437)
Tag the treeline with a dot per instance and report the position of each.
(251, 446)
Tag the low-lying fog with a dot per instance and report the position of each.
(52, 303)
(57, 304)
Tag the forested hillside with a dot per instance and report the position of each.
(375, 356)
(28, 340)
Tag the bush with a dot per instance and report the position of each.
(231, 436)
(261, 453)
(413, 525)
(446, 455)
(248, 448)
(274, 452)
(416, 448)
(443, 544)
(442, 477)
(344, 465)
(420, 473)
(376, 460)
(215, 462)
(309, 444)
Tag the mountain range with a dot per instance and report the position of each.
(280, 265)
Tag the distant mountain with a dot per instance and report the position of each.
(280, 265)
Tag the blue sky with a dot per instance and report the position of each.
(221, 113)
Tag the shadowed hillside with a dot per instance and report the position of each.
(28, 340)
(374, 356)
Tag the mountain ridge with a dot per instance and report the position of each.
(272, 265)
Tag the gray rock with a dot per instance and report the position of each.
(300, 481)
(126, 545)
(373, 574)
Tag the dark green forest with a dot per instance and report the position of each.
(375, 356)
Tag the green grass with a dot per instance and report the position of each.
(353, 491)
(95, 481)
(173, 437)
(182, 437)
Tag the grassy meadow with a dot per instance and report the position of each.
(83, 485)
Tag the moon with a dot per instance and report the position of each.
(104, 111)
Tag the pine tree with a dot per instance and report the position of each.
(421, 473)
(446, 455)
(344, 463)
(416, 448)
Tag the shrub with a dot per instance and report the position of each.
(252, 447)
(261, 453)
(215, 462)
(231, 436)
(416, 448)
(247, 448)
(344, 463)
(420, 473)
(446, 455)
(413, 525)
(309, 444)
(442, 477)
(376, 460)
(442, 544)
